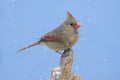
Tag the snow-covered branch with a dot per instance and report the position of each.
(63, 71)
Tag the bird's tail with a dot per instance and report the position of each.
(29, 46)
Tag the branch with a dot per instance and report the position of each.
(63, 71)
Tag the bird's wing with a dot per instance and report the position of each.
(52, 37)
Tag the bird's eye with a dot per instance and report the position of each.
(71, 24)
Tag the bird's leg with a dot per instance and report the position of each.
(69, 49)
(58, 52)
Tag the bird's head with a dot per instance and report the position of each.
(70, 20)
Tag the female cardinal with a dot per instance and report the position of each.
(61, 38)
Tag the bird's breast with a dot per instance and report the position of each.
(73, 39)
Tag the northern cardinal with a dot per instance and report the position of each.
(61, 38)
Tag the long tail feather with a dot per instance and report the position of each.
(34, 44)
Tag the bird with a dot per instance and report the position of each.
(61, 38)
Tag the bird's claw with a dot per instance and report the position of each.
(65, 53)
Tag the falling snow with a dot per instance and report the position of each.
(89, 7)
(89, 20)
(14, 41)
(98, 18)
(13, 0)
(77, 68)
(45, 49)
(106, 58)
(82, 39)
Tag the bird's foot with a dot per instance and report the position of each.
(65, 53)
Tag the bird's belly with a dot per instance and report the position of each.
(62, 45)
(56, 46)
(72, 40)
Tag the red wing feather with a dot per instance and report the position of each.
(50, 37)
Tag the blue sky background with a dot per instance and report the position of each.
(22, 22)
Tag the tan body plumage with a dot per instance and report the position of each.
(67, 41)
(61, 38)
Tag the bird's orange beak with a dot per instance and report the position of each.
(77, 25)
